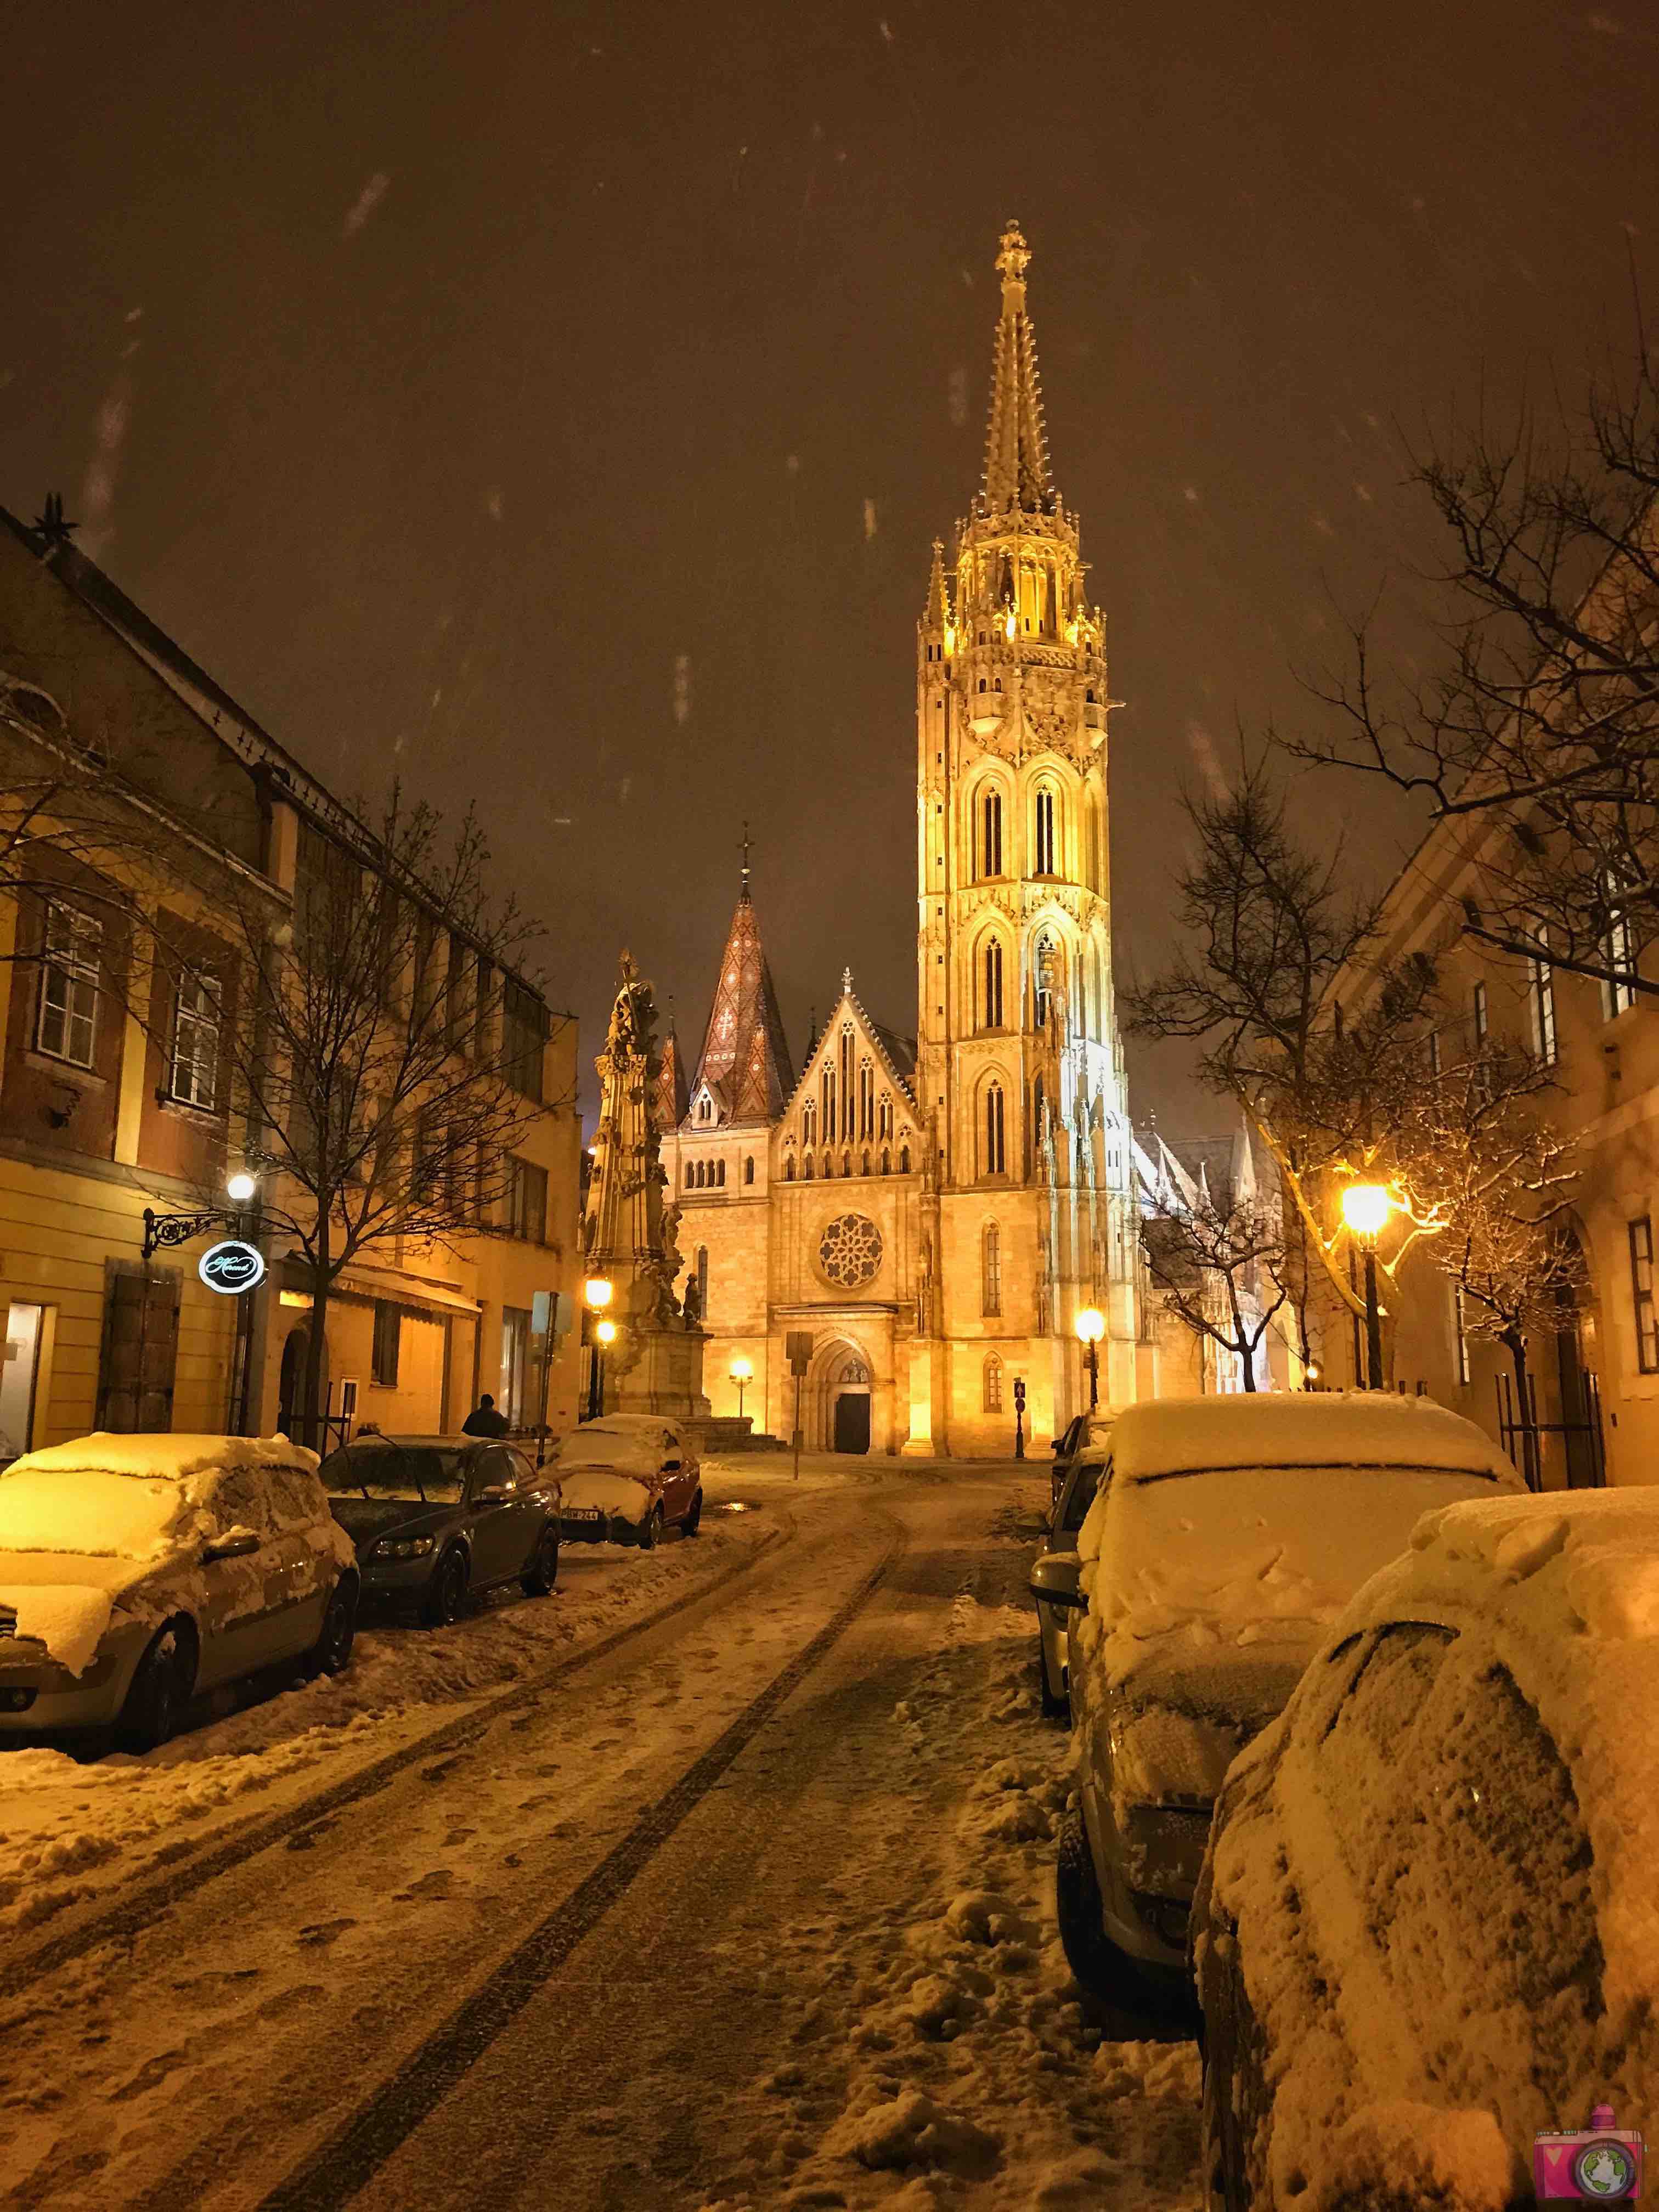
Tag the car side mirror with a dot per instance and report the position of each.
(1058, 1444)
(494, 1493)
(1055, 1580)
(671, 1466)
(235, 1544)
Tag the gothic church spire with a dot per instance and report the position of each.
(745, 1065)
(1016, 448)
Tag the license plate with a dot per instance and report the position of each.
(582, 1513)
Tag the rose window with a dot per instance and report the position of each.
(849, 1250)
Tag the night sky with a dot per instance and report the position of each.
(556, 403)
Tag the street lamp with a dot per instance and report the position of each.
(1310, 1374)
(597, 1292)
(1092, 1327)
(740, 1372)
(1365, 1209)
(240, 1188)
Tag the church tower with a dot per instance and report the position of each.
(1019, 1074)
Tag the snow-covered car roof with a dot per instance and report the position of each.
(1298, 1429)
(623, 1425)
(161, 1458)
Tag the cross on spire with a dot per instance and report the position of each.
(747, 841)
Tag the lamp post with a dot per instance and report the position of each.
(1310, 1374)
(1365, 1209)
(597, 1292)
(740, 1372)
(1090, 1328)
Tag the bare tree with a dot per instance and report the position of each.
(1220, 1268)
(387, 1057)
(1537, 730)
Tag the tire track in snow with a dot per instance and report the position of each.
(340, 2167)
(125, 1921)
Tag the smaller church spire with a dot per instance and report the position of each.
(938, 613)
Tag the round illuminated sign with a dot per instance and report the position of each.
(231, 1266)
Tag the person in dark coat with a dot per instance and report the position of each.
(484, 1420)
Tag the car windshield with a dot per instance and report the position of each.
(421, 1474)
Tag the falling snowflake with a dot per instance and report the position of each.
(365, 204)
(869, 519)
(849, 1250)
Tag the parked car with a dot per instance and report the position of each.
(1056, 1576)
(1227, 1534)
(137, 1570)
(1084, 1433)
(1423, 1930)
(626, 1477)
(436, 1518)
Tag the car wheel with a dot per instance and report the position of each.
(652, 1529)
(1095, 1963)
(1055, 1707)
(695, 1516)
(154, 1696)
(332, 1652)
(543, 1572)
(446, 1599)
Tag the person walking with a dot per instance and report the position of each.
(484, 1420)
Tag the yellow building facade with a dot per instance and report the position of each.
(932, 1209)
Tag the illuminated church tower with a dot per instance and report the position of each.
(1019, 1076)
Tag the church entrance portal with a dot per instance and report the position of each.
(853, 1421)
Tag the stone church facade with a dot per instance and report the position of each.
(933, 1210)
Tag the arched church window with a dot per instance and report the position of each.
(997, 685)
(982, 680)
(748, 1168)
(809, 1123)
(866, 1100)
(991, 985)
(807, 1168)
(990, 832)
(887, 1163)
(886, 1113)
(864, 1167)
(994, 1155)
(991, 1273)
(789, 1170)
(904, 1159)
(829, 1091)
(719, 1175)
(1088, 698)
(1047, 846)
(847, 1163)
(993, 1383)
(690, 1173)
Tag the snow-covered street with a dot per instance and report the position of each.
(752, 1906)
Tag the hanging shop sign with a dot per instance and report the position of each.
(232, 1266)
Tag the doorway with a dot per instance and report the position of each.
(24, 1326)
(291, 1387)
(853, 1421)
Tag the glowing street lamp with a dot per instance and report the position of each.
(597, 1293)
(1365, 1209)
(741, 1373)
(1090, 1328)
(241, 1188)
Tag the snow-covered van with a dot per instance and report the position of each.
(1226, 1535)
(137, 1570)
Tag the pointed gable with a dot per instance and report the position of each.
(745, 1067)
(854, 1096)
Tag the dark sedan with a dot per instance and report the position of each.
(435, 1518)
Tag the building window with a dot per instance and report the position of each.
(809, 1124)
(748, 1168)
(1460, 1322)
(1047, 848)
(887, 1162)
(524, 1036)
(992, 992)
(996, 1155)
(527, 1201)
(193, 1075)
(1044, 964)
(866, 1101)
(1641, 1286)
(1481, 1018)
(510, 1393)
(904, 1159)
(886, 1116)
(719, 1175)
(1542, 991)
(690, 1175)
(1618, 948)
(990, 833)
(828, 1104)
(991, 1287)
(992, 1384)
(388, 1342)
(66, 1025)
(789, 1170)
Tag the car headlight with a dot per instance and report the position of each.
(402, 1548)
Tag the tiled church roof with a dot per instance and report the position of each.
(746, 1063)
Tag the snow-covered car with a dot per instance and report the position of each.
(1085, 1432)
(435, 1518)
(1226, 1536)
(625, 1478)
(1426, 1926)
(137, 1570)
(1056, 1575)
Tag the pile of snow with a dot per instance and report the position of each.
(1446, 1876)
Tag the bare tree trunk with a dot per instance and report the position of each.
(1530, 1466)
(311, 1388)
